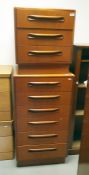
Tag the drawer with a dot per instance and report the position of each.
(43, 54)
(46, 127)
(43, 152)
(44, 18)
(23, 117)
(4, 85)
(35, 139)
(43, 37)
(43, 85)
(5, 128)
(5, 116)
(6, 155)
(4, 101)
(43, 101)
(6, 144)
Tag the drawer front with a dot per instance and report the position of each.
(4, 101)
(5, 116)
(43, 101)
(5, 129)
(43, 85)
(41, 18)
(41, 152)
(23, 117)
(43, 127)
(43, 54)
(4, 85)
(35, 139)
(6, 144)
(44, 37)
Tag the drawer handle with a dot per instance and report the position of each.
(43, 122)
(43, 17)
(35, 52)
(42, 136)
(43, 110)
(38, 35)
(43, 83)
(42, 149)
(44, 97)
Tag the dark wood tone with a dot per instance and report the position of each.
(84, 151)
(44, 37)
(83, 167)
(44, 18)
(80, 69)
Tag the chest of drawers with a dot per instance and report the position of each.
(44, 36)
(43, 84)
(6, 135)
(43, 111)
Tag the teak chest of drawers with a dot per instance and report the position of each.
(43, 111)
(44, 36)
(43, 84)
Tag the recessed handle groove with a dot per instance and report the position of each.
(42, 149)
(45, 36)
(43, 83)
(46, 52)
(44, 97)
(43, 110)
(44, 17)
(43, 122)
(43, 136)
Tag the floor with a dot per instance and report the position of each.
(8, 167)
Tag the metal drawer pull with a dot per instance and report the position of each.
(44, 97)
(38, 35)
(43, 17)
(43, 122)
(43, 110)
(42, 149)
(36, 52)
(42, 136)
(44, 83)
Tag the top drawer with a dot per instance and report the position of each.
(44, 18)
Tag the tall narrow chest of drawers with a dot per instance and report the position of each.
(43, 84)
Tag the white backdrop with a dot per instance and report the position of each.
(7, 39)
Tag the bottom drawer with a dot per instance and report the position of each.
(6, 156)
(41, 152)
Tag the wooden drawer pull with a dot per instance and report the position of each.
(43, 122)
(50, 36)
(35, 52)
(42, 136)
(44, 83)
(42, 149)
(43, 110)
(44, 97)
(43, 17)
